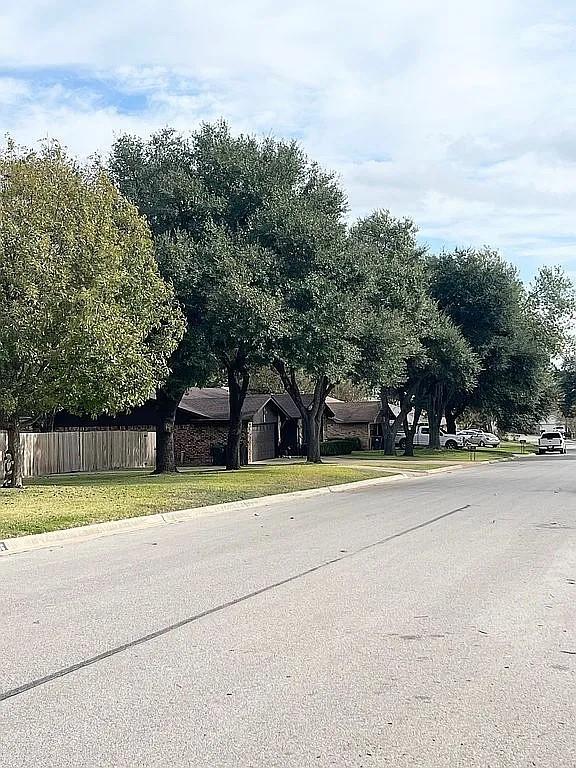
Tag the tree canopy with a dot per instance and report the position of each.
(260, 269)
(483, 296)
(88, 324)
(236, 220)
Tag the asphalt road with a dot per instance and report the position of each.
(426, 623)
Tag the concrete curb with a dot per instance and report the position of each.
(97, 530)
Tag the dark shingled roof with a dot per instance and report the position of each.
(360, 412)
(212, 403)
(286, 404)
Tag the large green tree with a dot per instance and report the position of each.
(350, 312)
(316, 348)
(482, 295)
(238, 313)
(87, 321)
(362, 322)
(514, 331)
(448, 365)
(159, 177)
(443, 362)
(311, 278)
(228, 213)
(391, 262)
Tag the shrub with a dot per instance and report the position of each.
(340, 447)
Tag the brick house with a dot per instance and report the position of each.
(202, 427)
(271, 425)
(353, 419)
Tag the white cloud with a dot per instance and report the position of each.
(461, 115)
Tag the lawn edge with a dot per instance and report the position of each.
(80, 533)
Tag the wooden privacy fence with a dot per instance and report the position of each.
(52, 453)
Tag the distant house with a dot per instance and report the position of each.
(271, 426)
(353, 419)
(361, 418)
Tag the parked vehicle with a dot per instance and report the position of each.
(554, 429)
(422, 438)
(550, 442)
(480, 438)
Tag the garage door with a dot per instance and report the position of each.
(263, 441)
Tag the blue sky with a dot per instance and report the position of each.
(460, 115)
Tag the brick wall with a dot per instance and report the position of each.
(193, 442)
(335, 430)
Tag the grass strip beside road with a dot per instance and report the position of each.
(66, 501)
(390, 462)
(440, 457)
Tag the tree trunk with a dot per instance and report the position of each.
(450, 422)
(313, 413)
(166, 407)
(238, 381)
(410, 431)
(435, 410)
(313, 430)
(390, 429)
(389, 441)
(409, 444)
(15, 448)
(388, 433)
(451, 413)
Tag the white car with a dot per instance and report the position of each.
(422, 439)
(480, 438)
(550, 442)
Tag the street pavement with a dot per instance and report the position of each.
(430, 622)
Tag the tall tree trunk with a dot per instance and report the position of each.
(238, 382)
(388, 433)
(450, 421)
(314, 430)
(390, 429)
(313, 413)
(435, 409)
(451, 413)
(16, 449)
(389, 441)
(410, 431)
(166, 406)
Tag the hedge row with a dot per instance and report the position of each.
(340, 447)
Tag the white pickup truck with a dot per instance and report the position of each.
(422, 438)
(550, 442)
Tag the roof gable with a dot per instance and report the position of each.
(285, 403)
(360, 412)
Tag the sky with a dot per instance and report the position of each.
(460, 115)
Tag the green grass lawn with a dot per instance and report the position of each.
(504, 450)
(47, 504)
